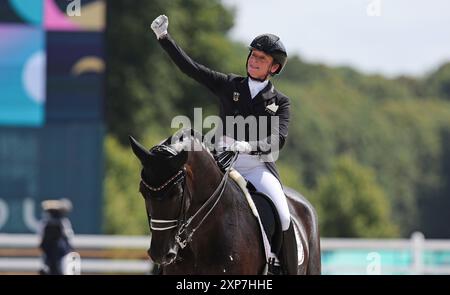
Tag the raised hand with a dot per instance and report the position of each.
(160, 25)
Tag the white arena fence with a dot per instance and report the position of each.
(106, 254)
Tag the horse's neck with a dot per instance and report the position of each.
(205, 176)
(207, 191)
(218, 246)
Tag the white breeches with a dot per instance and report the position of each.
(257, 173)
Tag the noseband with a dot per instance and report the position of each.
(185, 230)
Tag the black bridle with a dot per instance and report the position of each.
(185, 229)
(177, 179)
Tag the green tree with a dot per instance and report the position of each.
(351, 204)
(437, 84)
(397, 133)
(124, 208)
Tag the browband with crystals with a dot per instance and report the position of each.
(155, 189)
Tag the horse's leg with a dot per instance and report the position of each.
(304, 213)
(314, 261)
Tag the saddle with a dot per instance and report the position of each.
(269, 217)
(269, 221)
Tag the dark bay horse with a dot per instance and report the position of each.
(201, 222)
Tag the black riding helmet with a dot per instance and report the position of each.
(271, 45)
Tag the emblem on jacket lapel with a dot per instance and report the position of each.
(272, 108)
(236, 96)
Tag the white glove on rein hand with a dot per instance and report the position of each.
(241, 147)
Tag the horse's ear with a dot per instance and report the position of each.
(141, 152)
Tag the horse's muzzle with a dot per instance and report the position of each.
(166, 259)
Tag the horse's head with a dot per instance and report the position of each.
(163, 180)
(186, 192)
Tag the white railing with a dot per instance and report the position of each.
(80, 242)
(387, 256)
(372, 258)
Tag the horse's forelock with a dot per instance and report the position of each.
(179, 146)
(185, 140)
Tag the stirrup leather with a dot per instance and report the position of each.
(274, 267)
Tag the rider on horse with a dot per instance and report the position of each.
(249, 96)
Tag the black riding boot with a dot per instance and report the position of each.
(288, 254)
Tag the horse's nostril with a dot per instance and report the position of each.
(170, 256)
(150, 255)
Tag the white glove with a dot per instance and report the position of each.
(160, 25)
(241, 147)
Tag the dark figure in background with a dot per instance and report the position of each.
(56, 234)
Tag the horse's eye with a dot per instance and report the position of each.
(174, 191)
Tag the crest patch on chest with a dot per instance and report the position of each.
(272, 108)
